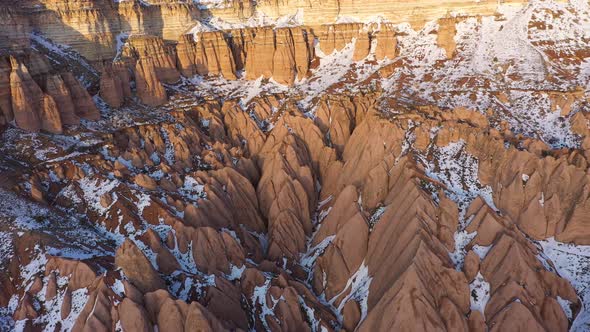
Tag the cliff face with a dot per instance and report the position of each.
(149, 87)
(92, 27)
(283, 54)
(36, 98)
(317, 12)
(115, 84)
(207, 53)
(143, 47)
(155, 33)
(15, 29)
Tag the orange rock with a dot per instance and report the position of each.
(167, 263)
(84, 106)
(208, 53)
(151, 49)
(446, 35)
(386, 42)
(137, 268)
(149, 88)
(114, 84)
(57, 89)
(145, 181)
(133, 317)
(27, 97)
(50, 119)
(471, 265)
(285, 53)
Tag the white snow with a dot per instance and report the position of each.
(310, 314)
(144, 200)
(481, 251)
(571, 262)
(121, 39)
(236, 272)
(308, 259)
(93, 189)
(480, 293)
(358, 284)
(566, 306)
(266, 309)
(6, 247)
(192, 189)
(377, 216)
(258, 19)
(331, 70)
(458, 171)
(36, 265)
(252, 89)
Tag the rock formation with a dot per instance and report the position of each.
(292, 173)
(115, 85)
(149, 88)
(207, 53)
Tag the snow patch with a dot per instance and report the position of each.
(572, 262)
(480, 293)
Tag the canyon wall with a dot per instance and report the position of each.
(94, 28)
(283, 54)
(316, 12)
(153, 43)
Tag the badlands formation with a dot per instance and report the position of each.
(290, 165)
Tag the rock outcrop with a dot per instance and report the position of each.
(206, 53)
(149, 88)
(115, 85)
(283, 54)
(33, 110)
(143, 47)
(37, 98)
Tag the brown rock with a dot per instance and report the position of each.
(161, 57)
(133, 316)
(207, 53)
(471, 265)
(51, 291)
(66, 304)
(446, 34)
(50, 119)
(137, 268)
(145, 181)
(114, 84)
(56, 88)
(84, 106)
(149, 89)
(386, 42)
(27, 97)
(5, 89)
(476, 322)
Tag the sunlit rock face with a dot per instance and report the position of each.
(294, 166)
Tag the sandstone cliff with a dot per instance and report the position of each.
(208, 53)
(37, 98)
(93, 28)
